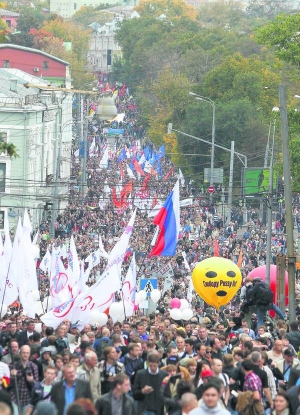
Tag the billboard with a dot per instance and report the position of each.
(217, 176)
(256, 181)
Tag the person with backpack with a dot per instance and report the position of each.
(102, 343)
(261, 296)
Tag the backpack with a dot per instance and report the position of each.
(264, 295)
(103, 343)
(60, 345)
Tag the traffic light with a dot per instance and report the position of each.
(48, 211)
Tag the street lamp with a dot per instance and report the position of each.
(210, 102)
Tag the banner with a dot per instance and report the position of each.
(100, 295)
(186, 202)
(129, 289)
(168, 284)
(165, 271)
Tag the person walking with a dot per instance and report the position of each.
(65, 392)
(117, 401)
(147, 385)
(89, 371)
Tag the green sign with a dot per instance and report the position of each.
(257, 181)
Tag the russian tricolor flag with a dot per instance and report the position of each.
(168, 221)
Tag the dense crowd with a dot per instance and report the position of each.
(238, 360)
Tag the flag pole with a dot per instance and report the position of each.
(4, 291)
(13, 362)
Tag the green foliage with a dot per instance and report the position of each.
(87, 15)
(10, 148)
(267, 8)
(282, 35)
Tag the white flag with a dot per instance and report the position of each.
(7, 242)
(100, 295)
(190, 290)
(130, 173)
(147, 167)
(142, 159)
(181, 178)
(46, 262)
(153, 242)
(11, 291)
(27, 273)
(129, 288)
(82, 287)
(93, 259)
(73, 262)
(3, 268)
(60, 290)
(104, 160)
(186, 264)
(102, 251)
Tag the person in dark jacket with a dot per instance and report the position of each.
(67, 391)
(109, 403)
(294, 335)
(41, 390)
(147, 384)
(293, 396)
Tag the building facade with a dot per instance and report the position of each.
(36, 63)
(103, 49)
(66, 8)
(33, 120)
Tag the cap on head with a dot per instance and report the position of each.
(206, 374)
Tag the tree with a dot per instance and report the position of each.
(267, 8)
(283, 36)
(9, 148)
(87, 15)
(173, 9)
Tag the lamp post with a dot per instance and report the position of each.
(212, 160)
(270, 194)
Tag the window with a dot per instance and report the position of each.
(8, 22)
(45, 65)
(5, 64)
(3, 137)
(2, 177)
(75, 6)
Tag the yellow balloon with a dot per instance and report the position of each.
(217, 280)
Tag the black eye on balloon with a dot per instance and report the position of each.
(211, 274)
(231, 274)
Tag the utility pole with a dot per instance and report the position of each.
(288, 202)
(230, 187)
(269, 211)
(85, 139)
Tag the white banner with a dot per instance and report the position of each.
(168, 284)
(100, 295)
(129, 288)
(186, 202)
(165, 271)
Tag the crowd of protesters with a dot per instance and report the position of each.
(238, 362)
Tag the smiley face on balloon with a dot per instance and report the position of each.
(217, 280)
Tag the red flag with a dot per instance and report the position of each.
(138, 168)
(216, 248)
(117, 203)
(169, 174)
(145, 182)
(126, 190)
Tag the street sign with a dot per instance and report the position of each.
(148, 285)
(211, 189)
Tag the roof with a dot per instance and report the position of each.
(4, 12)
(40, 52)
(21, 78)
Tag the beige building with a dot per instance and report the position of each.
(66, 8)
